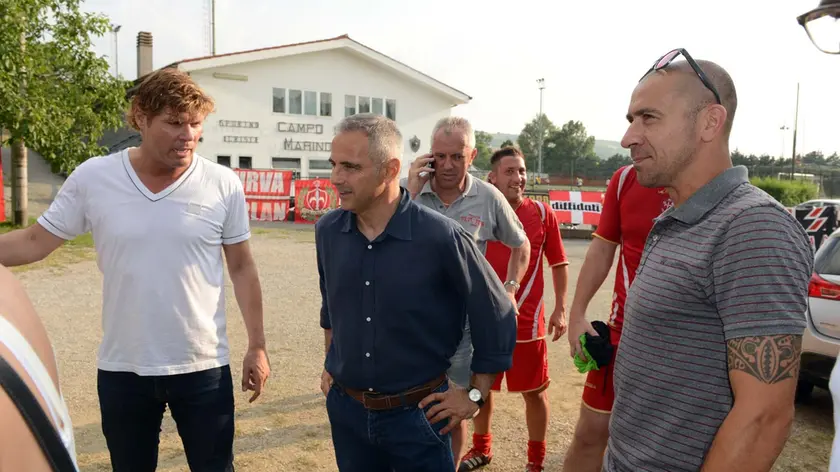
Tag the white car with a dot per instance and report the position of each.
(821, 341)
(818, 203)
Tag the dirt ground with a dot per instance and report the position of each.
(287, 429)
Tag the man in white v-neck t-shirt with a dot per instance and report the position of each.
(162, 217)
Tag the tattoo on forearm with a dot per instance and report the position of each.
(770, 359)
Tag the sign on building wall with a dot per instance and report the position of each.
(242, 139)
(238, 124)
(267, 193)
(314, 198)
(582, 208)
(292, 145)
(307, 128)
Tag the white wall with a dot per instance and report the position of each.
(338, 72)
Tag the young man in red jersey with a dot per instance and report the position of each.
(529, 374)
(626, 219)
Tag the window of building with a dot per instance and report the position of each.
(287, 163)
(364, 104)
(320, 164)
(349, 105)
(245, 162)
(223, 160)
(377, 107)
(391, 109)
(295, 102)
(310, 103)
(326, 104)
(279, 100)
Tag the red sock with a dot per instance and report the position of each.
(482, 443)
(536, 452)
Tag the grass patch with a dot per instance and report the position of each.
(78, 250)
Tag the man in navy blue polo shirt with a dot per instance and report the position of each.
(397, 282)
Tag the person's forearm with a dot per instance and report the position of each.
(246, 287)
(518, 264)
(327, 341)
(595, 269)
(483, 382)
(749, 442)
(560, 277)
(18, 248)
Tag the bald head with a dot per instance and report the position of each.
(698, 94)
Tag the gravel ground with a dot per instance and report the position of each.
(287, 428)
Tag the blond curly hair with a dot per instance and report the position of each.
(169, 91)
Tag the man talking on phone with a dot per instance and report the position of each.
(440, 181)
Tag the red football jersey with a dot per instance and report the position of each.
(543, 232)
(626, 219)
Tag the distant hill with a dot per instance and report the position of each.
(499, 138)
(603, 148)
(606, 149)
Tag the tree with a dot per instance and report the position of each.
(482, 143)
(566, 146)
(57, 95)
(507, 143)
(529, 140)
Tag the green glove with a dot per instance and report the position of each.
(585, 366)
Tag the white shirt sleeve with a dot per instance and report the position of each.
(67, 215)
(237, 226)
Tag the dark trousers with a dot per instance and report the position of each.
(202, 406)
(400, 439)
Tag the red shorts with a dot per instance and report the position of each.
(598, 393)
(530, 368)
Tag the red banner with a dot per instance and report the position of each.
(267, 193)
(582, 208)
(313, 198)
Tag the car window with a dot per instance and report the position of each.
(827, 259)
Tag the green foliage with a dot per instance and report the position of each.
(788, 193)
(506, 143)
(482, 143)
(57, 95)
(529, 140)
(570, 149)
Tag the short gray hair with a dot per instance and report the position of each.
(451, 123)
(384, 137)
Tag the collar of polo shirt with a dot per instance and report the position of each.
(470, 190)
(399, 226)
(708, 196)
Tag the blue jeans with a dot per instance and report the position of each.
(400, 439)
(202, 406)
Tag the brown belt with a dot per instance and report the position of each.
(380, 401)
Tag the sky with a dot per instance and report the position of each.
(590, 53)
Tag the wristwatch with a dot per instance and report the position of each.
(475, 396)
(512, 283)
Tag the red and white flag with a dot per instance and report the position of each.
(582, 208)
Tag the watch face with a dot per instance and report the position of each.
(475, 395)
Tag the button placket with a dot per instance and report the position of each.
(368, 275)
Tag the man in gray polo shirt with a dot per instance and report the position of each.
(707, 367)
(440, 181)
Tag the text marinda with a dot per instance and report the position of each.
(290, 144)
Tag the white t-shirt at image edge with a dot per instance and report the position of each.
(160, 255)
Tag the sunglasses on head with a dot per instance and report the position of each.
(669, 57)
